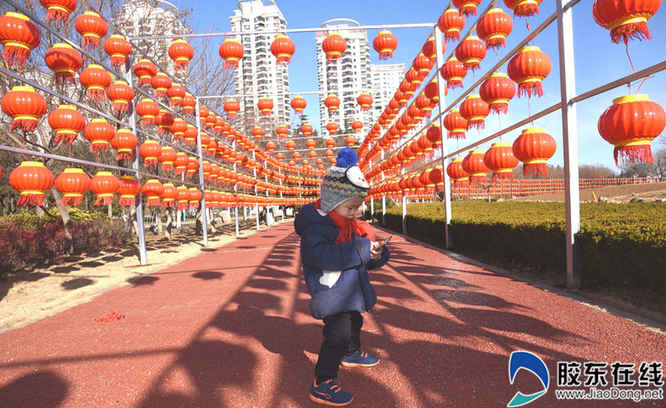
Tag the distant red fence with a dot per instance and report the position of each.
(520, 188)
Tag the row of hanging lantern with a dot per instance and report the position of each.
(26, 106)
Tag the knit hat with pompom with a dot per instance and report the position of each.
(343, 181)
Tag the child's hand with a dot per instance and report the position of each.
(375, 250)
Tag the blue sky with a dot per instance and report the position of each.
(597, 59)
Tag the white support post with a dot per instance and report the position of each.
(570, 141)
(383, 196)
(204, 218)
(256, 192)
(404, 206)
(139, 203)
(372, 202)
(233, 146)
(439, 48)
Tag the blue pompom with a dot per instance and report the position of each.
(346, 158)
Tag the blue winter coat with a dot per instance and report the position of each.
(352, 291)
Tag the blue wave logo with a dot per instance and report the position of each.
(532, 363)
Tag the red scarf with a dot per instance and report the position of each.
(348, 227)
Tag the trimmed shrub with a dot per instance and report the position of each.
(620, 244)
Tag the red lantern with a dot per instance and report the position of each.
(176, 94)
(523, 8)
(180, 163)
(64, 61)
(58, 10)
(298, 103)
(231, 107)
(92, 29)
(471, 51)
(422, 65)
(152, 190)
(99, 133)
(356, 126)
(474, 165)
(334, 46)
(424, 104)
(231, 52)
(434, 134)
(148, 109)
(118, 49)
(96, 79)
(145, 70)
(124, 141)
(121, 95)
(625, 19)
(493, 27)
(364, 100)
(257, 133)
(167, 158)
(161, 83)
(265, 105)
(330, 142)
(332, 128)
(296, 156)
(497, 91)
(181, 54)
(191, 135)
(630, 124)
(453, 71)
(432, 90)
(534, 147)
(429, 50)
(451, 22)
(19, 36)
(385, 43)
(310, 144)
(456, 124)
(25, 106)
(282, 131)
(104, 185)
(474, 110)
(270, 147)
(192, 167)
(150, 150)
(165, 120)
(32, 179)
(283, 49)
(128, 188)
(456, 171)
(290, 145)
(67, 122)
(467, 7)
(280, 156)
(350, 141)
(178, 129)
(500, 159)
(188, 104)
(194, 196)
(332, 102)
(73, 183)
(528, 68)
(168, 195)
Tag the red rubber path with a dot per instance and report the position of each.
(232, 328)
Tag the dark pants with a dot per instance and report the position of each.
(342, 336)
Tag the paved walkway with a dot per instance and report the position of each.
(231, 328)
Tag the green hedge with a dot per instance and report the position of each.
(27, 240)
(620, 244)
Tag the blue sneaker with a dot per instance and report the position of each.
(330, 393)
(360, 359)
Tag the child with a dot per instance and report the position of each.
(337, 250)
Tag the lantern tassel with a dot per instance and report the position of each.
(150, 162)
(97, 147)
(476, 123)
(144, 80)
(637, 153)
(147, 121)
(453, 84)
(124, 156)
(104, 199)
(527, 88)
(498, 108)
(502, 176)
(167, 167)
(229, 63)
(183, 205)
(168, 203)
(56, 16)
(65, 78)
(127, 201)
(153, 201)
(15, 55)
(120, 108)
(90, 42)
(535, 169)
(163, 130)
(194, 204)
(452, 35)
(73, 200)
(25, 123)
(30, 198)
(526, 9)
(160, 93)
(96, 95)
(118, 61)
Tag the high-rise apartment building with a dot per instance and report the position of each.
(346, 77)
(385, 80)
(258, 74)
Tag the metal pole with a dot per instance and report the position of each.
(404, 206)
(256, 192)
(383, 196)
(444, 146)
(139, 203)
(284, 209)
(372, 202)
(570, 141)
(204, 218)
(233, 146)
